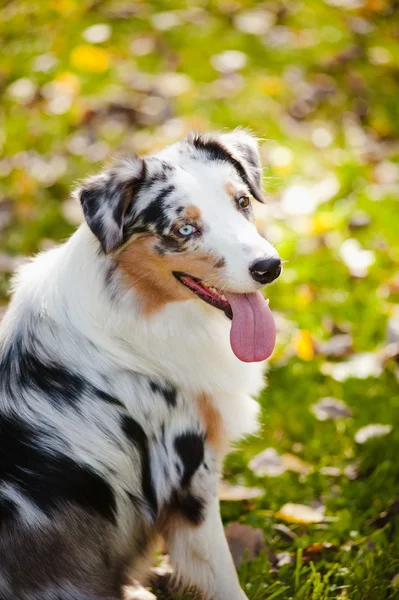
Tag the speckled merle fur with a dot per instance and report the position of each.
(103, 446)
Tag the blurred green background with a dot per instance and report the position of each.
(318, 82)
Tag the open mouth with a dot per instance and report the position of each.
(253, 332)
(208, 293)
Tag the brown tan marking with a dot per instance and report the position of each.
(212, 422)
(192, 212)
(150, 273)
(230, 190)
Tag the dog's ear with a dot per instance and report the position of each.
(105, 199)
(244, 148)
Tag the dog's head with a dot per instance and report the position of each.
(179, 226)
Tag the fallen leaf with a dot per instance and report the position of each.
(330, 408)
(244, 542)
(372, 431)
(97, 34)
(255, 21)
(268, 463)
(395, 580)
(303, 344)
(293, 463)
(337, 346)
(237, 493)
(90, 58)
(300, 513)
(229, 61)
(22, 90)
(285, 532)
(315, 550)
(360, 366)
(356, 258)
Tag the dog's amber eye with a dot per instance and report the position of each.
(243, 202)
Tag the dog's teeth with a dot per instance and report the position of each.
(223, 297)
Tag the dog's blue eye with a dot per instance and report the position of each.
(187, 230)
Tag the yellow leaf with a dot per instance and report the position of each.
(299, 513)
(323, 222)
(303, 344)
(271, 85)
(89, 58)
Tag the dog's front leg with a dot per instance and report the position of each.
(201, 557)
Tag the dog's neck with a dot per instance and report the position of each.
(74, 288)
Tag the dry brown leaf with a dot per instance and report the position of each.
(245, 542)
(300, 513)
(293, 463)
(238, 493)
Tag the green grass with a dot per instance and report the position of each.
(322, 67)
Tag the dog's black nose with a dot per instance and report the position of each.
(266, 270)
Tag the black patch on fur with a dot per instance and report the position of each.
(109, 399)
(166, 390)
(137, 436)
(154, 213)
(190, 449)
(21, 369)
(162, 173)
(215, 150)
(49, 479)
(189, 506)
(107, 194)
(8, 510)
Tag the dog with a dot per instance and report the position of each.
(129, 360)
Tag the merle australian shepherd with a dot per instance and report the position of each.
(129, 359)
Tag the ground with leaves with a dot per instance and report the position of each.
(318, 81)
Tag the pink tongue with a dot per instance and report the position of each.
(253, 332)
